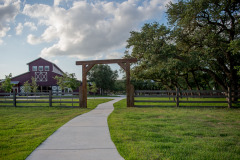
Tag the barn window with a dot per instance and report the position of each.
(46, 68)
(41, 76)
(34, 68)
(40, 68)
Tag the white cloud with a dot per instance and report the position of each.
(8, 11)
(90, 29)
(31, 39)
(19, 29)
(55, 61)
(4, 31)
(31, 25)
(58, 2)
(114, 55)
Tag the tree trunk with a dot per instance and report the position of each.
(186, 79)
(215, 77)
(195, 80)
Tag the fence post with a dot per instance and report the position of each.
(229, 97)
(50, 98)
(177, 97)
(14, 99)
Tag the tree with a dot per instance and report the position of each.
(61, 81)
(67, 80)
(159, 59)
(34, 85)
(72, 81)
(6, 84)
(27, 87)
(199, 51)
(120, 86)
(103, 76)
(93, 88)
(211, 30)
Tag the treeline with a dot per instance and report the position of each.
(200, 49)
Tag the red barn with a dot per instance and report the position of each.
(43, 71)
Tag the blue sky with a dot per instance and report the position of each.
(66, 31)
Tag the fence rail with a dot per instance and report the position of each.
(46, 99)
(179, 98)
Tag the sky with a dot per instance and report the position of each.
(66, 31)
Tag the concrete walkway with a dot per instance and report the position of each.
(85, 137)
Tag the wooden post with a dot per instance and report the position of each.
(131, 96)
(128, 89)
(229, 97)
(177, 97)
(50, 98)
(80, 96)
(14, 99)
(83, 102)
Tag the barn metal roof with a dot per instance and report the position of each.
(14, 82)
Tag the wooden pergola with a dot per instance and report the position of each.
(87, 65)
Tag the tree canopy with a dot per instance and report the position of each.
(67, 80)
(27, 87)
(200, 48)
(34, 85)
(6, 84)
(103, 76)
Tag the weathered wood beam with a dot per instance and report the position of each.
(88, 67)
(123, 65)
(84, 86)
(108, 61)
(128, 89)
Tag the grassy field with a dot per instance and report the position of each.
(169, 133)
(22, 129)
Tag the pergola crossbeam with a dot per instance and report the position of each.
(107, 61)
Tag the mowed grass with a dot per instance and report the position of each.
(170, 133)
(22, 129)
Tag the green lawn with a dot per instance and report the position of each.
(22, 129)
(169, 133)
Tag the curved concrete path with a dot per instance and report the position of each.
(85, 137)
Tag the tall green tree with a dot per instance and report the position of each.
(6, 84)
(61, 81)
(93, 88)
(199, 51)
(159, 59)
(72, 81)
(120, 86)
(34, 85)
(103, 76)
(67, 80)
(27, 87)
(209, 30)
